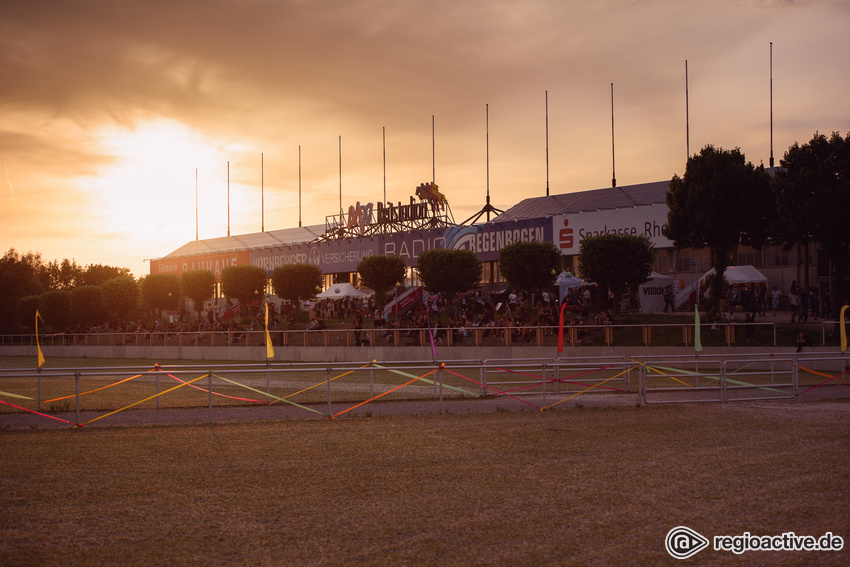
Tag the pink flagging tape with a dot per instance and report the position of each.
(492, 388)
(824, 382)
(42, 414)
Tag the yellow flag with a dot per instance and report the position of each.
(269, 346)
(37, 344)
(843, 330)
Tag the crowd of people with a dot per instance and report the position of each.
(454, 322)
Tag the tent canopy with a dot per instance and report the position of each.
(341, 291)
(566, 281)
(739, 275)
(733, 275)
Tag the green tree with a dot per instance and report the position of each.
(721, 200)
(381, 274)
(160, 291)
(19, 276)
(244, 283)
(198, 285)
(812, 200)
(54, 308)
(64, 275)
(530, 266)
(25, 308)
(449, 271)
(86, 305)
(297, 282)
(120, 296)
(616, 261)
(98, 274)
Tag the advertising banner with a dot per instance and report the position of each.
(341, 256)
(212, 262)
(646, 220)
(332, 257)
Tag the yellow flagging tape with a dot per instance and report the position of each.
(10, 395)
(590, 388)
(266, 394)
(712, 378)
(321, 383)
(207, 375)
(671, 377)
(95, 390)
(446, 386)
(384, 394)
(666, 375)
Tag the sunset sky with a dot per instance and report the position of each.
(109, 106)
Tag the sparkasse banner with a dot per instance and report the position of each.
(646, 220)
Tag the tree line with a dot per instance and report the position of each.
(723, 200)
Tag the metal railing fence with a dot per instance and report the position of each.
(821, 333)
(333, 389)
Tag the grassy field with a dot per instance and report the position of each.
(581, 486)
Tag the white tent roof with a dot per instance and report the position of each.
(569, 281)
(739, 274)
(343, 290)
(659, 278)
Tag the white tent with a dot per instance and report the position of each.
(567, 281)
(733, 275)
(651, 294)
(739, 274)
(341, 291)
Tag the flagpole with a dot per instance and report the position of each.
(687, 115)
(299, 185)
(547, 143)
(340, 178)
(196, 203)
(487, 142)
(262, 196)
(771, 104)
(613, 159)
(384, 138)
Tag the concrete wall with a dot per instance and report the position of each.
(381, 354)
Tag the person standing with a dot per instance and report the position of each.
(803, 340)
(668, 299)
(775, 296)
(793, 300)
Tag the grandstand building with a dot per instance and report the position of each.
(407, 230)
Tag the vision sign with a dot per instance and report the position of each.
(648, 220)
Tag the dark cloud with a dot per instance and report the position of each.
(270, 75)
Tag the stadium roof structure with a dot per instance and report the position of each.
(644, 194)
(253, 241)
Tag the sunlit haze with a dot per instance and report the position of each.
(109, 108)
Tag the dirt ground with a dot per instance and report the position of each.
(582, 484)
